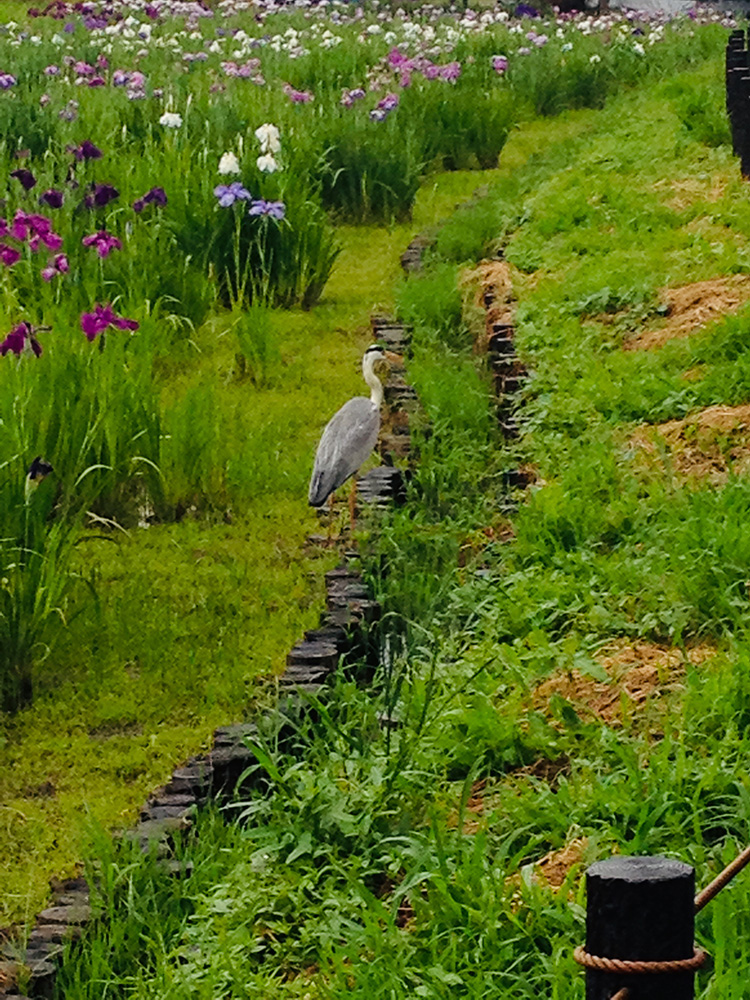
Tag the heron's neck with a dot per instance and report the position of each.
(376, 386)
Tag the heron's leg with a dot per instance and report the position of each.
(352, 504)
(330, 518)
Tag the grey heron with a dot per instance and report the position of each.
(349, 436)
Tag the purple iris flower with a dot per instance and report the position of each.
(104, 242)
(86, 151)
(450, 72)
(350, 96)
(51, 70)
(228, 194)
(84, 68)
(525, 10)
(298, 96)
(96, 322)
(499, 64)
(7, 80)
(156, 196)
(52, 197)
(58, 265)
(151, 11)
(69, 27)
(9, 255)
(120, 78)
(26, 178)
(274, 209)
(20, 340)
(100, 195)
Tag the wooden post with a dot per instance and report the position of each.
(640, 909)
(736, 63)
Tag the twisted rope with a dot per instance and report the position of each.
(623, 966)
(715, 887)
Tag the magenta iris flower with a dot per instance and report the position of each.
(21, 340)
(228, 194)
(96, 322)
(37, 229)
(274, 209)
(9, 255)
(104, 242)
(25, 177)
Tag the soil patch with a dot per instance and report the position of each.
(692, 307)
(637, 671)
(703, 446)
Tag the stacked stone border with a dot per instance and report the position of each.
(346, 639)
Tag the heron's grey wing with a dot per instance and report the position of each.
(349, 437)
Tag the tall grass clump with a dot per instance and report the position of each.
(35, 582)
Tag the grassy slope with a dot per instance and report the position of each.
(305, 901)
(190, 615)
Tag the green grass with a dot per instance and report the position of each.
(359, 873)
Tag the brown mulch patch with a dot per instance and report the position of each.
(703, 446)
(493, 278)
(553, 868)
(637, 671)
(690, 190)
(692, 307)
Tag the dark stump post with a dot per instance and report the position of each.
(640, 909)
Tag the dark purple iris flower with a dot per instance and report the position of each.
(25, 177)
(228, 194)
(52, 197)
(104, 242)
(274, 209)
(86, 151)
(7, 80)
(156, 196)
(96, 322)
(525, 10)
(21, 340)
(100, 195)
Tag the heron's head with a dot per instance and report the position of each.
(377, 357)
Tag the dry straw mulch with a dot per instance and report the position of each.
(703, 446)
(637, 671)
(692, 307)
